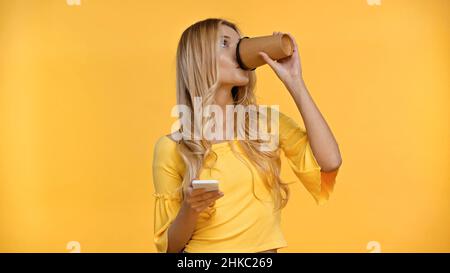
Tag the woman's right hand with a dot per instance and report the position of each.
(197, 200)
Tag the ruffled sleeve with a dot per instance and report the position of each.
(295, 144)
(167, 180)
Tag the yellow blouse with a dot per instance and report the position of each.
(241, 223)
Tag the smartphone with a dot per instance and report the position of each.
(208, 185)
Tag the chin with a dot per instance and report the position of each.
(242, 82)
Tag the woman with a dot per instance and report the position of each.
(244, 216)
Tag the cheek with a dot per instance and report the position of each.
(224, 69)
(228, 73)
(225, 63)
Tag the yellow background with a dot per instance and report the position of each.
(85, 90)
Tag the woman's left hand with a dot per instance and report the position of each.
(288, 69)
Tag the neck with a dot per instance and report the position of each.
(223, 98)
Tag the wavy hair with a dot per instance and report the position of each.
(196, 76)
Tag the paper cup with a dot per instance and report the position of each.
(277, 46)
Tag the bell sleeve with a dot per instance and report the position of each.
(294, 142)
(167, 182)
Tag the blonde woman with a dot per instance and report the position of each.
(244, 215)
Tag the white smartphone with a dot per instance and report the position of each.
(208, 185)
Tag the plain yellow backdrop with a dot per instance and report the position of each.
(85, 91)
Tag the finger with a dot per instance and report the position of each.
(204, 196)
(197, 192)
(198, 198)
(211, 204)
(203, 207)
(205, 202)
(212, 200)
(268, 60)
(293, 40)
(202, 204)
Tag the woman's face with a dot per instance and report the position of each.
(230, 74)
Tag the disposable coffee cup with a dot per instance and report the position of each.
(277, 46)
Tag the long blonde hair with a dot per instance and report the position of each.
(196, 76)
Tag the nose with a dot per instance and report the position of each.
(234, 56)
(236, 59)
(237, 55)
